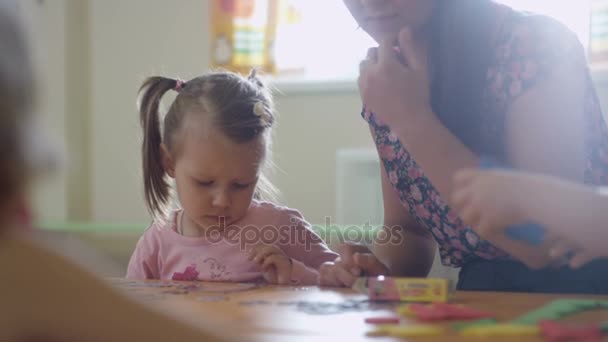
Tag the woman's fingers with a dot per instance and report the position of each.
(369, 264)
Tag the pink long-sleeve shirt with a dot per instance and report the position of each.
(222, 255)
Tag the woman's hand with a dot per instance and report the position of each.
(394, 84)
(354, 261)
(491, 201)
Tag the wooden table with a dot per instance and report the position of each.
(273, 313)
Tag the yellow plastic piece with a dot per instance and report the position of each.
(421, 290)
(500, 330)
(405, 311)
(407, 330)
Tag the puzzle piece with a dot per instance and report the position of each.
(331, 308)
(462, 325)
(532, 233)
(398, 289)
(505, 329)
(254, 303)
(402, 331)
(406, 311)
(149, 284)
(556, 332)
(442, 311)
(175, 292)
(211, 299)
(189, 287)
(560, 308)
(382, 320)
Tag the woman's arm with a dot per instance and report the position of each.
(544, 127)
(401, 248)
(438, 152)
(408, 250)
(398, 93)
(544, 133)
(543, 124)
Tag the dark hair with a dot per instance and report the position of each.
(16, 94)
(240, 107)
(461, 37)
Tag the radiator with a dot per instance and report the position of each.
(359, 196)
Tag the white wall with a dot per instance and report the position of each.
(311, 128)
(78, 109)
(45, 27)
(130, 41)
(129, 44)
(92, 56)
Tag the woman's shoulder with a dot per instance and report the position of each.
(532, 35)
(527, 49)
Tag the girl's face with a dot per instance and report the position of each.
(215, 177)
(385, 18)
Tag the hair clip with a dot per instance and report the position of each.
(259, 110)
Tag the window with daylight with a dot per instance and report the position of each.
(337, 45)
(319, 40)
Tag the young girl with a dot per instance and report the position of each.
(215, 144)
(44, 295)
(574, 215)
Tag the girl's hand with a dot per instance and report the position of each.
(334, 274)
(276, 266)
(395, 85)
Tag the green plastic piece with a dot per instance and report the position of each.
(462, 325)
(561, 308)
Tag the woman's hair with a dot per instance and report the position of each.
(241, 108)
(462, 35)
(16, 94)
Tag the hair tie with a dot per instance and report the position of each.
(253, 74)
(179, 85)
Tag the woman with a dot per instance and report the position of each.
(45, 296)
(452, 81)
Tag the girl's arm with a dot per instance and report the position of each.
(144, 260)
(307, 250)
